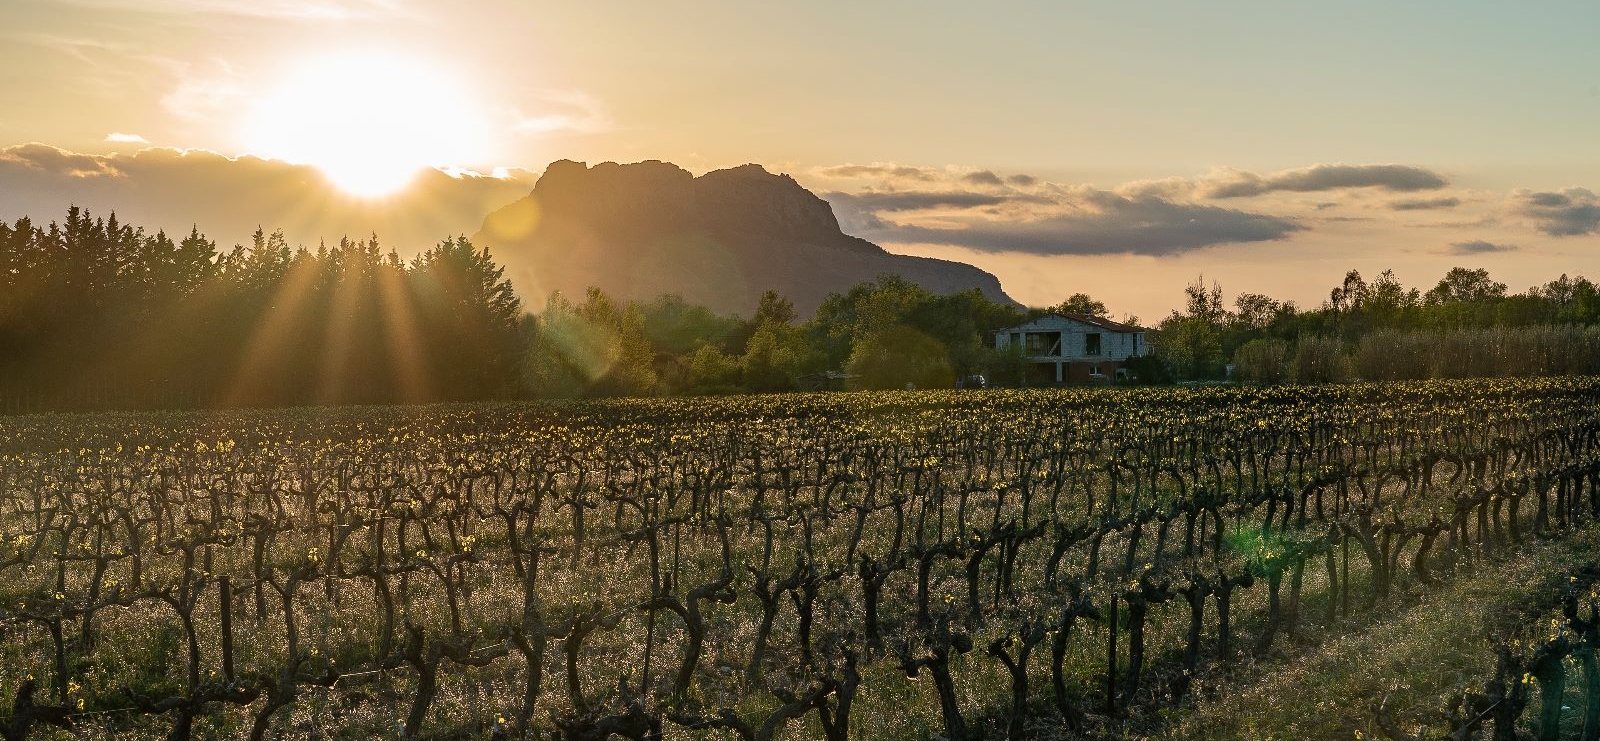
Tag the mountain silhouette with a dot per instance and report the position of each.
(721, 239)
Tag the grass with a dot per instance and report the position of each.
(1414, 657)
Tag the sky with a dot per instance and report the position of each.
(1115, 149)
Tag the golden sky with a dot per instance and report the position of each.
(1117, 149)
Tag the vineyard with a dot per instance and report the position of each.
(1005, 564)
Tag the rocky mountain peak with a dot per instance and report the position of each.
(639, 230)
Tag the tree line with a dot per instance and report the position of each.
(96, 313)
(1466, 326)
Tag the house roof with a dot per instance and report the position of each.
(1103, 323)
(1093, 321)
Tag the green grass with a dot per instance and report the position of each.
(1415, 656)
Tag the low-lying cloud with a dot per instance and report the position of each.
(1397, 178)
(1479, 247)
(229, 197)
(912, 200)
(881, 170)
(983, 177)
(1566, 213)
(1424, 204)
(1075, 221)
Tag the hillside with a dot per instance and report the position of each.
(720, 239)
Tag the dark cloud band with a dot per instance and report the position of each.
(1479, 247)
(1567, 213)
(1398, 178)
(1084, 222)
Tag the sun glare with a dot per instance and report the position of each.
(370, 121)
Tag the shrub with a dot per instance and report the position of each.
(1261, 360)
(1318, 359)
(1391, 355)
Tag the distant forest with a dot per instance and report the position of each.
(99, 314)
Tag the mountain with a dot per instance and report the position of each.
(721, 239)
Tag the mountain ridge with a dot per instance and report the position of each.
(719, 239)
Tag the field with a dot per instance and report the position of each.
(1004, 564)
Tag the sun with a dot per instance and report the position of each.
(370, 121)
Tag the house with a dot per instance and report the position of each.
(1074, 348)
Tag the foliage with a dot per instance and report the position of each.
(94, 312)
(1149, 370)
(1262, 360)
(1391, 355)
(1461, 285)
(775, 358)
(1191, 347)
(1080, 303)
(676, 327)
(712, 371)
(1318, 359)
(900, 357)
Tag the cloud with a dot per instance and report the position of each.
(880, 170)
(1080, 220)
(1229, 183)
(204, 93)
(1566, 213)
(891, 177)
(1170, 188)
(983, 177)
(228, 197)
(562, 111)
(1424, 204)
(1479, 247)
(915, 200)
(117, 137)
(42, 159)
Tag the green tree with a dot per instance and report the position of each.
(1080, 303)
(1262, 360)
(1191, 346)
(1388, 303)
(773, 308)
(473, 311)
(632, 370)
(678, 327)
(845, 318)
(566, 354)
(1349, 295)
(1466, 286)
(1255, 311)
(775, 358)
(895, 356)
(1203, 302)
(712, 371)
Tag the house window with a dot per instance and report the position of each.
(1044, 343)
(1091, 344)
(1094, 370)
(1016, 338)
